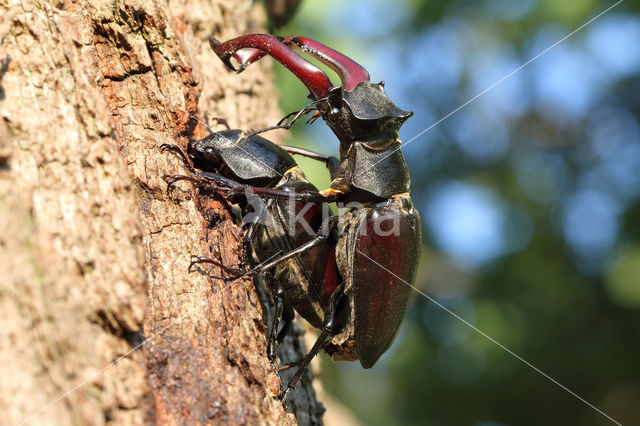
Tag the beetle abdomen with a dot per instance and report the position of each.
(385, 252)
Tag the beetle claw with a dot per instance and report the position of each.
(283, 397)
(166, 146)
(232, 270)
(170, 180)
(179, 152)
(194, 261)
(220, 121)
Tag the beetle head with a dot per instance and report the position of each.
(205, 153)
(364, 113)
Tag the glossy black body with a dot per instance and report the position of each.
(255, 161)
(308, 279)
(366, 122)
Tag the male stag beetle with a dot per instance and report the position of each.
(365, 292)
(365, 120)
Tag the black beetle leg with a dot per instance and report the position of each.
(172, 179)
(327, 332)
(285, 126)
(176, 149)
(322, 340)
(277, 293)
(330, 161)
(321, 236)
(308, 196)
(218, 120)
(330, 316)
(284, 313)
(298, 114)
(211, 180)
(290, 366)
(287, 319)
(232, 188)
(234, 271)
(246, 241)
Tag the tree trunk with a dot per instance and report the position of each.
(94, 252)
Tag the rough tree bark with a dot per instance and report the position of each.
(94, 253)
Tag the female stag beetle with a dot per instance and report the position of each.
(365, 292)
(305, 282)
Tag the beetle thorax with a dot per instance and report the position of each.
(362, 114)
